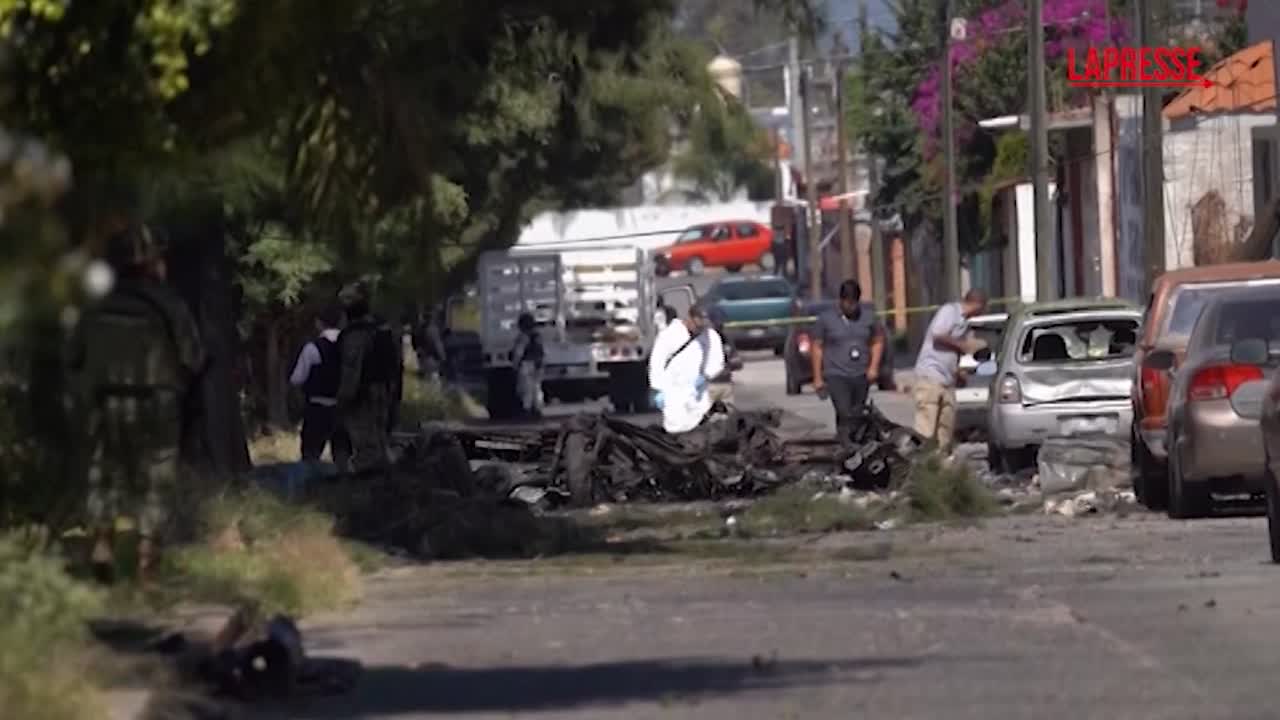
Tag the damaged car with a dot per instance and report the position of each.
(1215, 403)
(1064, 369)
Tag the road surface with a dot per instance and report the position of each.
(1022, 617)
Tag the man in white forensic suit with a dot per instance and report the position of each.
(686, 355)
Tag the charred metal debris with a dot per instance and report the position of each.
(601, 458)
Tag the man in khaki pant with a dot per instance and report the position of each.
(938, 363)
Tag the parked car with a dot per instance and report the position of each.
(1252, 351)
(797, 362)
(731, 245)
(972, 396)
(1063, 370)
(762, 299)
(1215, 401)
(1176, 301)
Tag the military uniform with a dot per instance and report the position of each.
(136, 355)
(369, 386)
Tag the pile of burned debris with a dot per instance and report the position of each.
(458, 491)
(601, 458)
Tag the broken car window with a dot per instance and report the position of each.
(1080, 341)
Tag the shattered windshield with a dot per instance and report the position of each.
(1079, 341)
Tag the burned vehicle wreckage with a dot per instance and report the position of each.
(596, 458)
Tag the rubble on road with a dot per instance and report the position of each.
(1085, 476)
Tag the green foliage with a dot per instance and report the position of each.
(277, 267)
(799, 509)
(726, 151)
(1012, 161)
(43, 638)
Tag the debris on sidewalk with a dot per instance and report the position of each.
(1085, 476)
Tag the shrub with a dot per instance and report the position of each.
(43, 638)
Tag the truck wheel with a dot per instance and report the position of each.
(500, 398)
(696, 266)
(628, 389)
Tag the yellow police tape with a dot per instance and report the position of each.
(806, 319)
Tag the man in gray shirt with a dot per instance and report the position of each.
(938, 363)
(848, 341)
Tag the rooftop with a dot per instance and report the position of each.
(1243, 82)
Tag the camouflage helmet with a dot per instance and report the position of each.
(133, 245)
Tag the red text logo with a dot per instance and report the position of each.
(1135, 67)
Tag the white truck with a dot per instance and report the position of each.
(595, 307)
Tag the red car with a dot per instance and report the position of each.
(730, 244)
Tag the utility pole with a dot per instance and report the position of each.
(814, 215)
(950, 238)
(879, 288)
(795, 99)
(842, 151)
(1046, 281)
(1152, 160)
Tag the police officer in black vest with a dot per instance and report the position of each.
(317, 373)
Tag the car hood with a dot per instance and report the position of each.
(1089, 380)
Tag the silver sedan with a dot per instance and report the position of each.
(1215, 403)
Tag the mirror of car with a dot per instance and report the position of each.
(983, 355)
(1250, 351)
(1160, 360)
(986, 368)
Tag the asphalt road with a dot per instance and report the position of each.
(1023, 617)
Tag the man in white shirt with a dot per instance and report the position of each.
(317, 373)
(686, 355)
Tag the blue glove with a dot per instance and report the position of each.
(658, 400)
(700, 384)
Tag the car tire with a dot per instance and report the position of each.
(500, 395)
(1273, 517)
(1150, 478)
(780, 350)
(695, 266)
(1185, 503)
(767, 262)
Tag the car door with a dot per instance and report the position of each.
(749, 243)
(719, 250)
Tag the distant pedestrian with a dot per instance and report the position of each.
(938, 363)
(428, 345)
(137, 355)
(848, 342)
(370, 356)
(317, 373)
(528, 355)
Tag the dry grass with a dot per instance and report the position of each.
(257, 549)
(937, 490)
(800, 510)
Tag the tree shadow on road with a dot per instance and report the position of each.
(394, 691)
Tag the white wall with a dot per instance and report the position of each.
(1203, 154)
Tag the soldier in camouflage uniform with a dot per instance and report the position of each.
(370, 358)
(136, 355)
